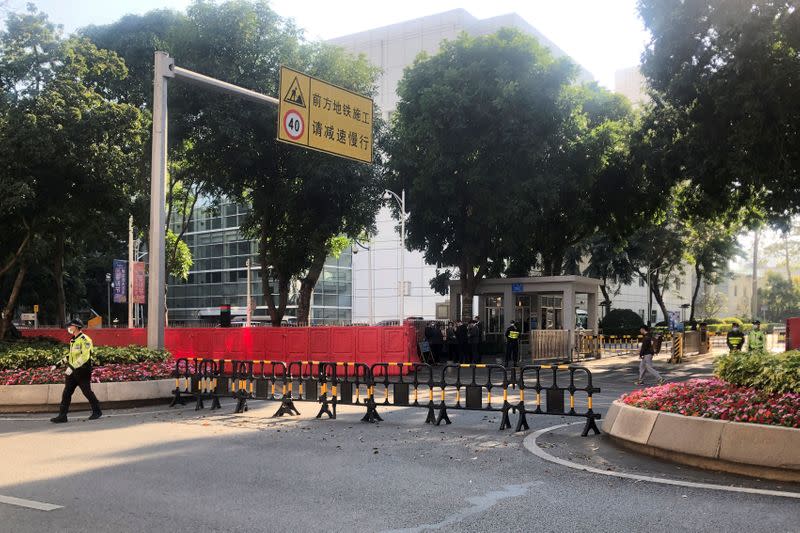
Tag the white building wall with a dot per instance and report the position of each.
(635, 297)
(631, 83)
(419, 300)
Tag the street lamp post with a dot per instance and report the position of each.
(108, 309)
(369, 285)
(401, 200)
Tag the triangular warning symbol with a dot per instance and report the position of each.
(294, 95)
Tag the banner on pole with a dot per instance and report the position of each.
(120, 281)
(138, 283)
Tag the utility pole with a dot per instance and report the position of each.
(156, 321)
(754, 301)
(130, 272)
(249, 306)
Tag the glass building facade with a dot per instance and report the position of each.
(219, 274)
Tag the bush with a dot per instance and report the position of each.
(33, 353)
(732, 320)
(719, 328)
(766, 371)
(710, 321)
(621, 322)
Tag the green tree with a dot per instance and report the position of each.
(608, 261)
(780, 296)
(588, 184)
(785, 250)
(67, 139)
(710, 245)
(301, 200)
(656, 251)
(725, 80)
(472, 126)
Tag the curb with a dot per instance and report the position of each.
(532, 446)
(46, 398)
(756, 450)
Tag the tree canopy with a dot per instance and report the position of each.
(725, 80)
(509, 165)
(71, 149)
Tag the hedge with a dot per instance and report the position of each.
(767, 371)
(40, 352)
(621, 322)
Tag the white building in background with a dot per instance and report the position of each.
(377, 272)
(630, 82)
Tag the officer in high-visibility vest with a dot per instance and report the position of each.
(78, 372)
(735, 339)
(512, 345)
(756, 340)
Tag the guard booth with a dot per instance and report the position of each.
(549, 311)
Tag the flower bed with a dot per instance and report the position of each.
(100, 374)
(713, 398)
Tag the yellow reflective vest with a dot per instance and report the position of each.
(80, 351)
(756, 340)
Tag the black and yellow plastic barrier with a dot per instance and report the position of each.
(621, 344)
(474, 387)
(530, 379)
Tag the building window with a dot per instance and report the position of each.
(735, 290)
(641, 314)
(641, 282)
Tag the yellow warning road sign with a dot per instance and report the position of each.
(318, 115)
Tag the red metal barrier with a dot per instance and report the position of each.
(792, 334)
(352, 344)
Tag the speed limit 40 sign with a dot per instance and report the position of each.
(293, 124)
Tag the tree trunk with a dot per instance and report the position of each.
(58, 275)
(788, 262)
(469, 283)
(696, 291)
(8, 311)
(307, 285)
(18, 254)
(606, 298)
(659, 299)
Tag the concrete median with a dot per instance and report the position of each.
(770, 452)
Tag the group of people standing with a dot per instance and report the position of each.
(458, 341)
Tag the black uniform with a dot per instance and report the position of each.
(735, 340)
(462, 336)
(512, 345)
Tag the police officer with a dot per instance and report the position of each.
(78, 372)
(735, 338)
(512, 344)
(757, 340)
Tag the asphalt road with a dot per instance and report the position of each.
(154, 469)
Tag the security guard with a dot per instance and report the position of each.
(78, 372)
(735, 338)
(757, 340)
(512, 344)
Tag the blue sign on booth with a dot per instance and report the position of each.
(516, 287)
